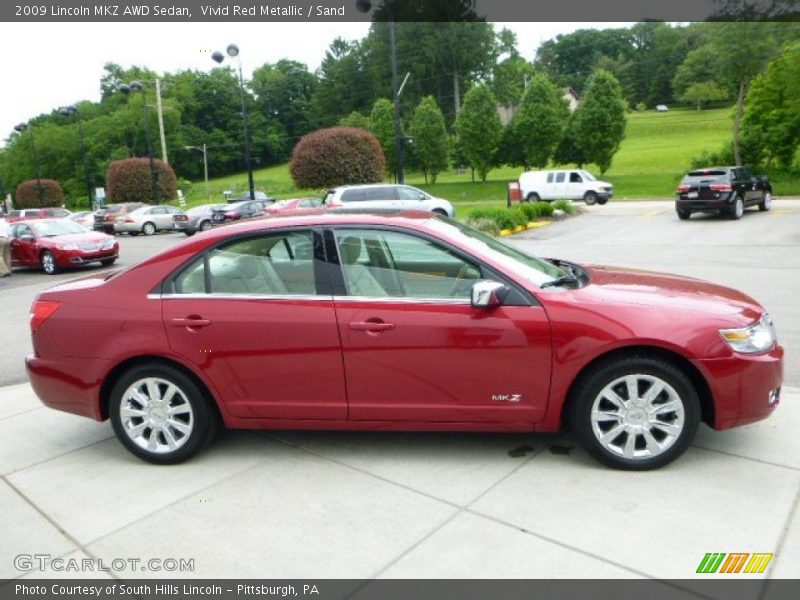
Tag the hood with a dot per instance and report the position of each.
(632, 287)
(78, 238)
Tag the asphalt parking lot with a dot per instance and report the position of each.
(402, 505)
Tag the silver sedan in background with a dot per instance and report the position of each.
(198, 218)
(148, 220)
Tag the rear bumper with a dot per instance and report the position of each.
(69, 384)
(703, 205)
(745, 388)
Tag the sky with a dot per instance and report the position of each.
(47, 65)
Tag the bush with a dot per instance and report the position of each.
(28, 194)
(337, 156)
(713, 159)
(128, 180)
(564, 205)
(537, 209)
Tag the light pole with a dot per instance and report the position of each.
(136, 86)
(69, 111)
(204, 150)
(233, 51)
(22, 127)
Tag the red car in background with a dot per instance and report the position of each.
(293, 204)
(54, 244)
(37, 213)
(405, 322)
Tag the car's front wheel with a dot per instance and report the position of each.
(590, 198)
(49, 264)
(766, 202)
(148, 228)
(160, 414)
(635, 413)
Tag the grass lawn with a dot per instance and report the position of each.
(655, 154)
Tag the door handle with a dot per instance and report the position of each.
(190, 322)
(371, 326)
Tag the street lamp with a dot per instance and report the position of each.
(69, 111)
(204, 150)
(136, 86)
(22, 127)
(233, 51)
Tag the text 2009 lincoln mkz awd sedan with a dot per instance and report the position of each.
(399, 322)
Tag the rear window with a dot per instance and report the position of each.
(705, 176)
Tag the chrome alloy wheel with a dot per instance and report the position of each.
(767, 201)
(156, 415)
(637, 416)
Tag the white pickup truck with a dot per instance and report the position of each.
(567, 184)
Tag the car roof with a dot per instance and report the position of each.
(370, 185)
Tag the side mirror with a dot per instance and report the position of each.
(488, 294)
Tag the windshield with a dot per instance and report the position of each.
(527, 266)
(588, 176)
(54, 228)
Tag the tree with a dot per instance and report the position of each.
(570, 150)
(344, 82)
(743, 50)
(600, 119)
(382, 127)
(539, 123)
(771, 123)
(479, 129)
(430, 138)
(337, 156)
(703, 92)
(355, 119)
(699, 66)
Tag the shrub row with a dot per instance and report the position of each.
(494, 219)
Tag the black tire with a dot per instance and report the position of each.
(683, 214)
(148, 228)
(602, 201)
(736, 210)
(439, 211)
(590, 198)
(533, 197)
(205, 225)
(49, 264)
(204, 419)
(766, 202)
(678, 388)
(134, 233)
(188, 233)
(108, 262)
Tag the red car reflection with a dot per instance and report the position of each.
(54, 244)
(399, 322)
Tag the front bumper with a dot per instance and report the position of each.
(66, 258)
(745, 388)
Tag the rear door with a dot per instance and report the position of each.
(255, 316)
(416, 350)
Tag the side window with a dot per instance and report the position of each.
(560, 177)
(381, 193)
(550, 177)
(575, 178)
(21, 230)
(352, 195)
(391, 264)
(407, 193)
(158, 210)
(278, 264)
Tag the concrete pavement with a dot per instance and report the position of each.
(395, 505)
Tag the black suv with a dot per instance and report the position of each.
(234, 211)
(724, 190)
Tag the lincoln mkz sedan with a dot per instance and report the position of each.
(409, 321)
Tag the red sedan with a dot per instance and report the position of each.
(53, 244)
(399, 322)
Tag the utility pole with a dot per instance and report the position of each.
(161, 121)
(398, 133)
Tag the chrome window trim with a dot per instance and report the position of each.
(307, 297)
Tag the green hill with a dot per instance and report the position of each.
(656, 152)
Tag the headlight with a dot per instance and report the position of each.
(67, 246)
(755, 338)
(107, 244)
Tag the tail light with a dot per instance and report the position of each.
(232, 214)
(334, 204)
(684, 188)
(129, 220)
(180, 218)
(41, 311)
(721, 187)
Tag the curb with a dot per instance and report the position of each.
(520, 228)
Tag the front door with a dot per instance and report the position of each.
(416, 350)
(23, 246)
(252, 318)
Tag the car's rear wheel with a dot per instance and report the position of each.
(766, 202)
(49, 264)
(683, 214)
(160, 414)
(205, 225)
(737, 208)
(148, 228)
(635, 413)
(533, 197)
(590, 198)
